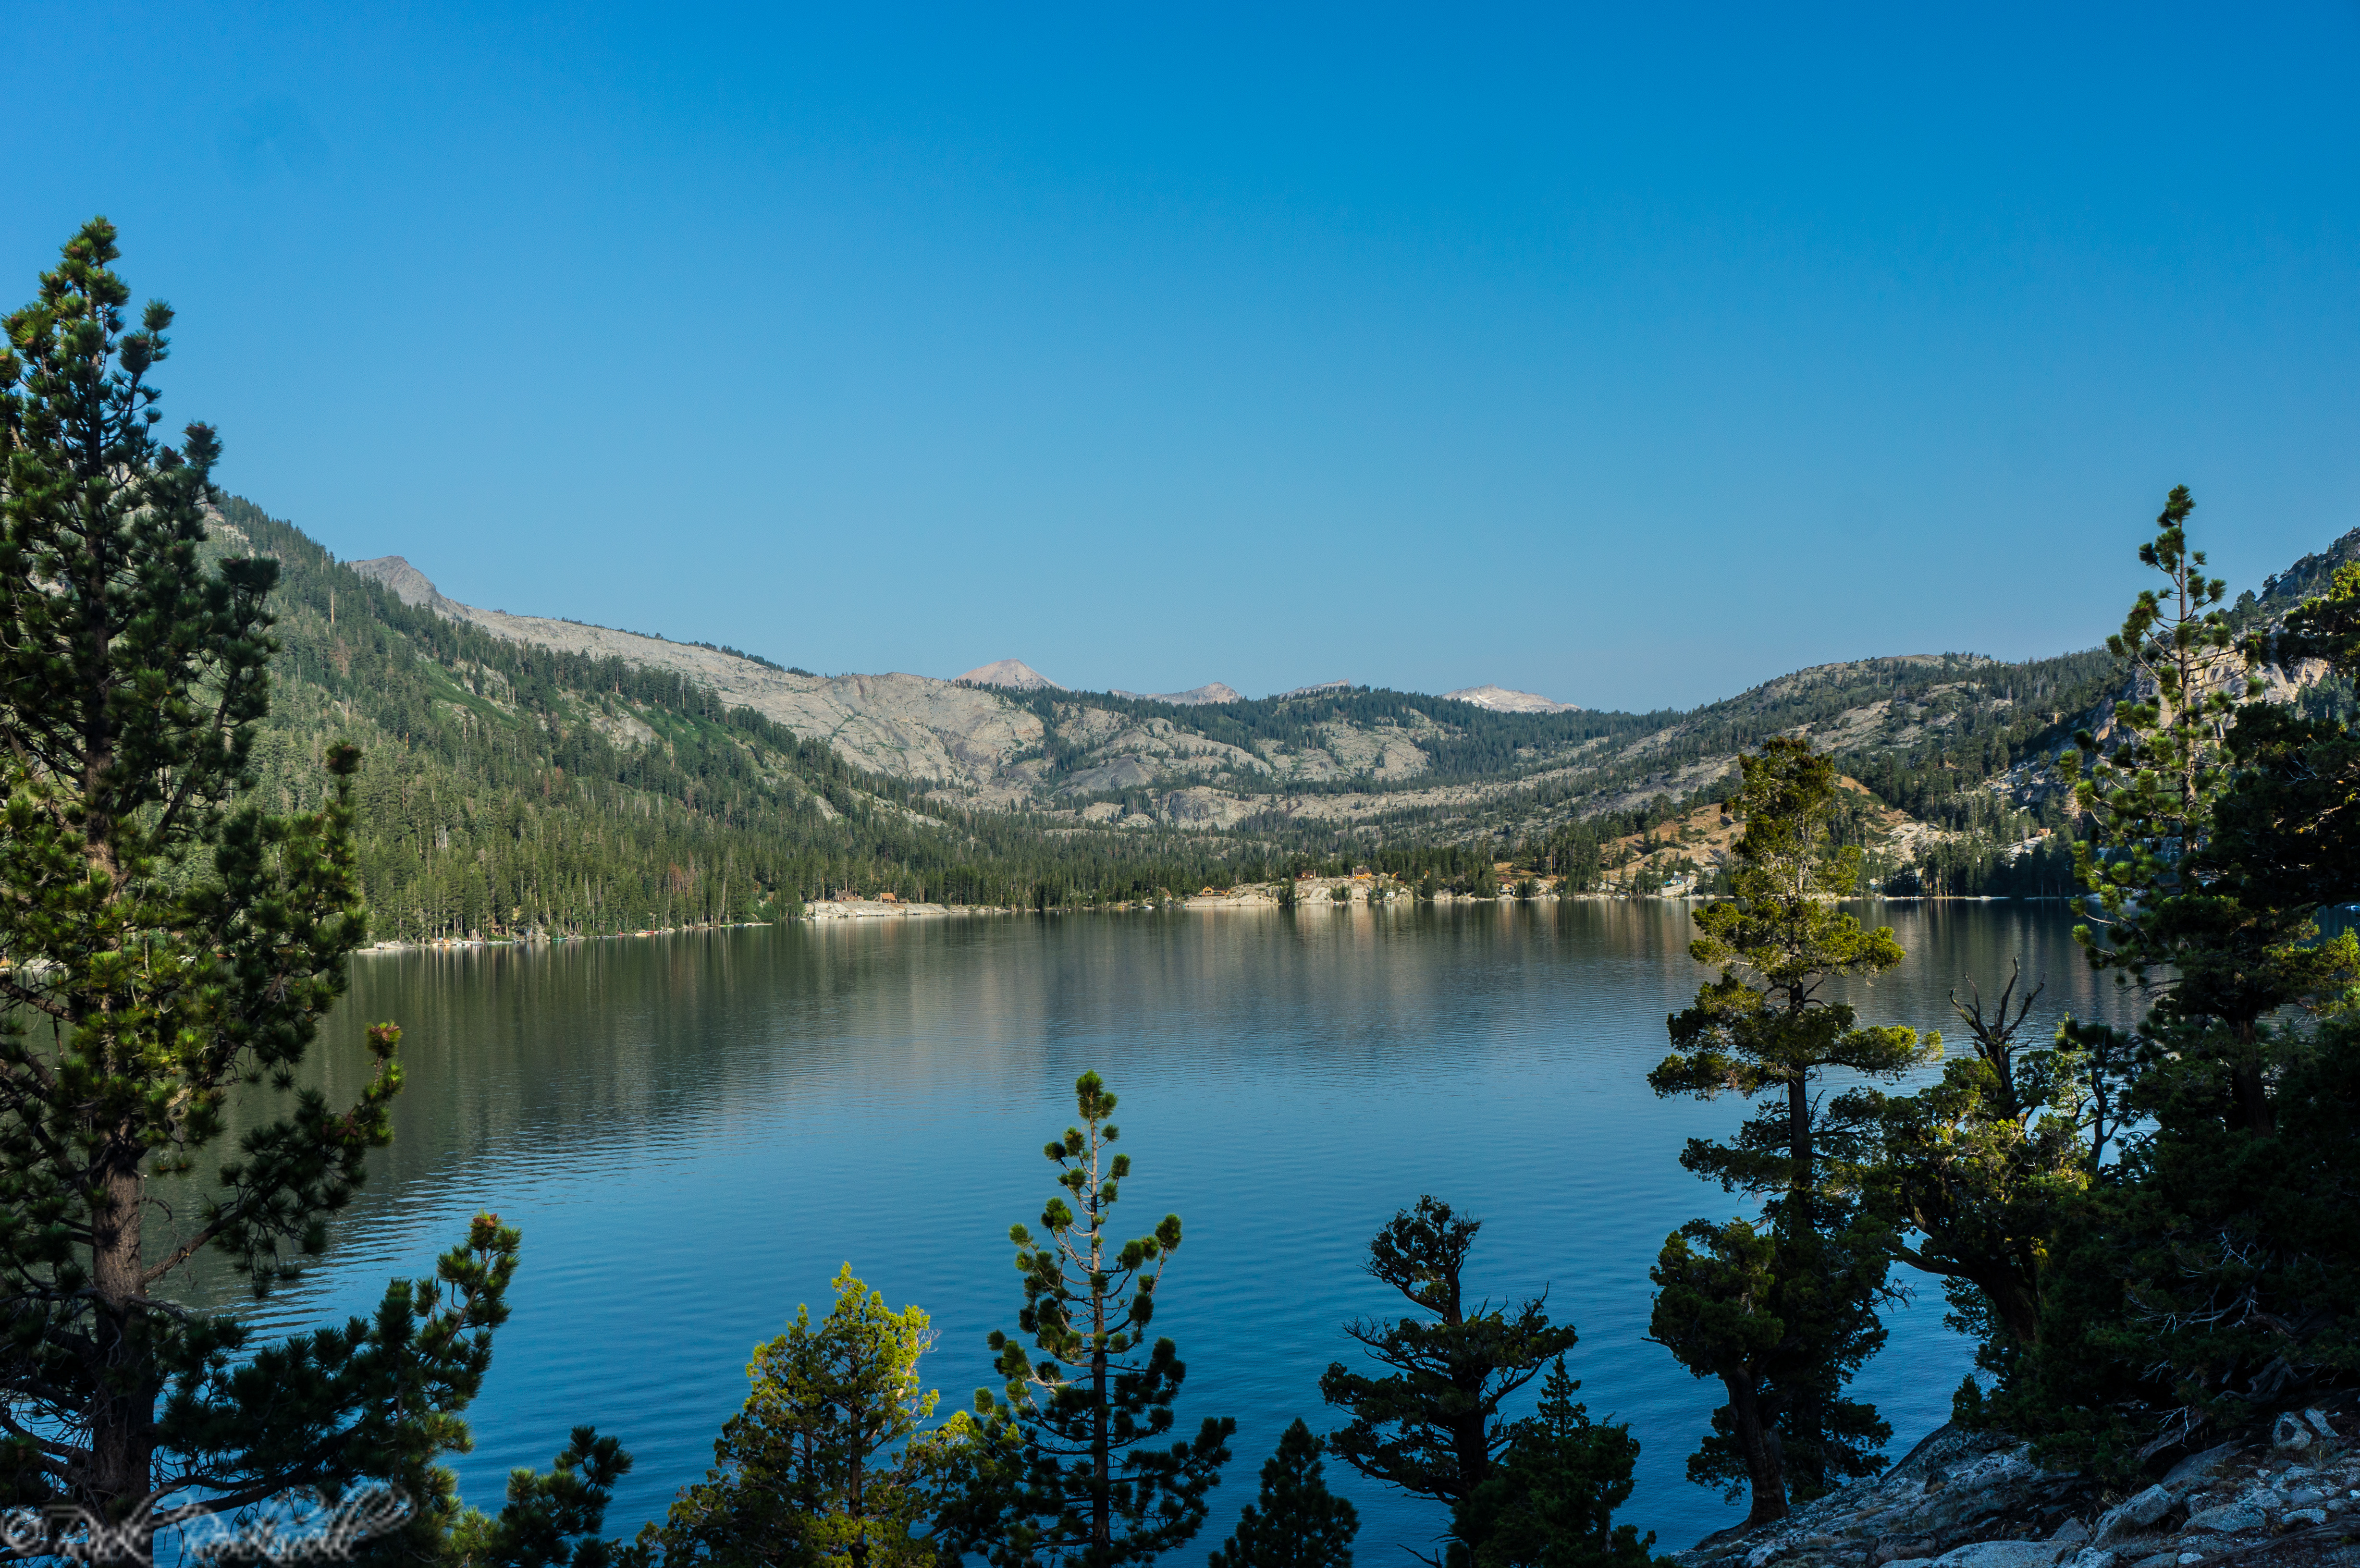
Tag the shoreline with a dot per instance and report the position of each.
(1257, 896)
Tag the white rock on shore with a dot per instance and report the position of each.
(1978, 1500)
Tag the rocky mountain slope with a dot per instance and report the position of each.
(2307, 576)
(1004, 735)
(1953, 747)
(524, 777)
(904, 726)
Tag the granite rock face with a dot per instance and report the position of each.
(2142, 1512)
(1978, 1500)
(1501, 700)
(1957, 1490)
(1013, 674)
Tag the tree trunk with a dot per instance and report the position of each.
(1761, 1467)
(1467, 1440)
(859, 1548)
(1101, 1495)
(1468, 1437)
(2018, 1306)
(1101, 1498)
(1801, 1178)
(122, 1434)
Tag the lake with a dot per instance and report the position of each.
(694, 1131)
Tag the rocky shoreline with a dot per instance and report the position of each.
(1968, 1499)
(1311, 893)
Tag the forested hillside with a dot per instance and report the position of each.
(535, 774)
(507, 788)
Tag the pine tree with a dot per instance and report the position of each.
(1087, 1484)
(1763, 1029)
(2149, 791)
(1550, 1501)
(2211, 1273)
(828, 1464)
(163, 942)
(1432, 1426)
(1296, 1521)
(2150, 794)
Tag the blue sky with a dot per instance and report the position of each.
(1630, 355)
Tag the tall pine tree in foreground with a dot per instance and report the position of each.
(2210, 1276)
(2148, 789)
(1071, 1473)
(165, 943)
(1764, 1029)
(1296, 1521)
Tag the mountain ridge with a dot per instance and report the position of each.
(1013, 674)
(1004, 737)
(1195, 697)
(1957, 749)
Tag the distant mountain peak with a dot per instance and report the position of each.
(1500, 699)
(1313, 690)
(1195, 697)
(409, 585)
(1012, 674)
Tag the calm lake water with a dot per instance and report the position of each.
(693, 1132)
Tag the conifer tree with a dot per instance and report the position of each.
(1084, 1482)
(1296, 1521)
(2149, 795)
(1431, 1426)
(2211, 1273)
(1550, 1501)
(828, 1464)
(2210, 822)
(1763, 1028)
(2148, 789)
(163, 942)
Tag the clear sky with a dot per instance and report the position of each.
(1630, 355)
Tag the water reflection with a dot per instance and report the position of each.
(694, 1131)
